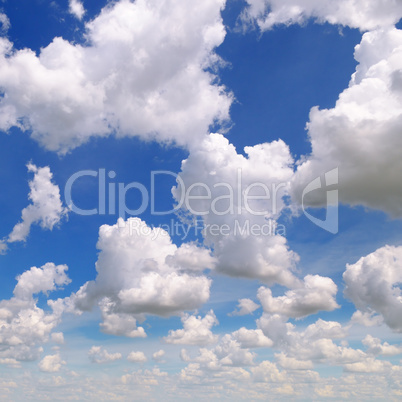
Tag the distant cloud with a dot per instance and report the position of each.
(158, 355)
(244, 307)
(196, 331)
(251, 338)
(316, 294)
(99, 355)
(136, 357)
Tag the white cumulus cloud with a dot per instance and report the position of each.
(99, 355)
(140, 270)
(24, 327)
(372, 283)
(142, 72)
(362, 14)
(241, 229)
(46, 208)
(137, 357)
(51, 363)
(196, 330)
(360, 135)
(317, 294)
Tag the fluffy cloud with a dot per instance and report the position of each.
(51, 363)
(315, 343)
(363, 14)
(98, 355)
(57, 337)
(44, 279)
(158, 355)
(141, 72)
(360, 135)
(244, 307)
(5, 23)
(291, 363)
(46, 208)
(119, 324)
(375, 347)
(369, 365)
(196, 330)
(367, 319)
(317, 294)
(76, 8)
(228, 353)
(372, 283)
(144, 378)
(251, 338)
(267, 372)
(136, 357)
(218, 184)
(23, 325)
(141, 271)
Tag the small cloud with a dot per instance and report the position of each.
(51, 363)
(244, 307)
(98, 355)
(157, 356)
(76, 8)
(136, 357)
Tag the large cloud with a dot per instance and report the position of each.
(360, 135)
(373, 284)
(142, 71)
(217, 184)
(141, 271)
(362, 14)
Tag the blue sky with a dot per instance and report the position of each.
(193, 96)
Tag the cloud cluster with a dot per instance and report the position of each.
(364, 14)
(360, 135)
(373, 284)
(24, 327)
(99, 355)
(46, 208)
(140, 270)
(196, 330)
(317, 294)
(142, 71)
(239, 198)
(137, 357)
